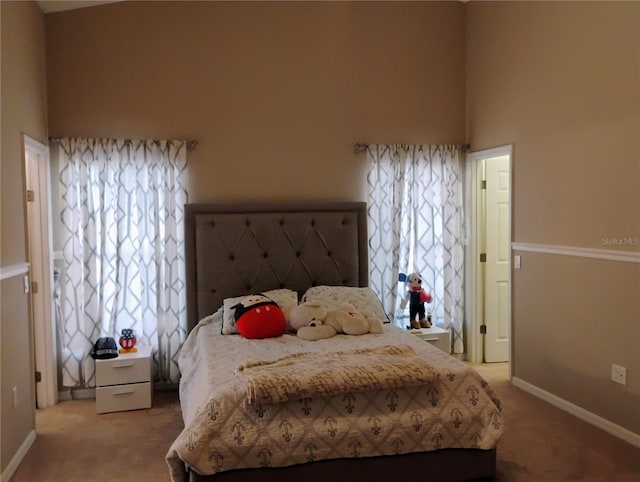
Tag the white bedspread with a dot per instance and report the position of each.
(223, 431)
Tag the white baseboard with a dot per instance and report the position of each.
(579, 412)
(13, 464)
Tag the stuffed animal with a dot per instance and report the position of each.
(416, 297)
(307, 320)
(313, 322)
(346, 319)
(258, 316)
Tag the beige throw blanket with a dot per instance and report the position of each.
(313, 374)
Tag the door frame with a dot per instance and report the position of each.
(474, 289)
(44, 329)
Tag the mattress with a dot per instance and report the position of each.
(224, 430)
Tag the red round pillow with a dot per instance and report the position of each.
(257, 316)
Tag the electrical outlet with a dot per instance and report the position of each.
(15, 396)
(619, 374)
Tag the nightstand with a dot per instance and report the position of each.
(124, 383)
(436, 336)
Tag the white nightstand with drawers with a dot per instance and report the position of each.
(124, 383)
(436, 336)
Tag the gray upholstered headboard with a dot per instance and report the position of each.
(236, 249)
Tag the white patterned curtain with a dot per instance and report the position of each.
(416, 224)
(122, 215)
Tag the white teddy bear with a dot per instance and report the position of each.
(312, 321)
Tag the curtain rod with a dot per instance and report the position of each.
(360, 147)
(191, 143)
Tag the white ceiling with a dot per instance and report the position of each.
(49, 6)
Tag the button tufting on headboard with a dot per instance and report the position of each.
(279, 250)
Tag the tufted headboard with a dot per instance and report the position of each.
(236, 249)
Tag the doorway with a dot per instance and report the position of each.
(489, 255)
(40, 257)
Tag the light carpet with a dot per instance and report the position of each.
(540, 444)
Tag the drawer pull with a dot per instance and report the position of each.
(128, 365)
(129, 392)
(431, 339)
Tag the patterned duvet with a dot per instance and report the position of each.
(223, 431)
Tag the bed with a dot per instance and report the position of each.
(443, 428)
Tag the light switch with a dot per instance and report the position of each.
(516, 261)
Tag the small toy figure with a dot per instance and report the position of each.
(127, 341)
(417, 297)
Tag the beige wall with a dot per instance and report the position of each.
(23, 112)
(276, 93)
(17, 370)
(574, 317)
(561, 81)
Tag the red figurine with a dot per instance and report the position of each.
(128, 341)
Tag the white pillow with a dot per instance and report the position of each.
(284, 298)
(362, 299)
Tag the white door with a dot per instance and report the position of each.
(36, 157)
(497, 229)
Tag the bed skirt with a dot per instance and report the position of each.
(446, 465)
